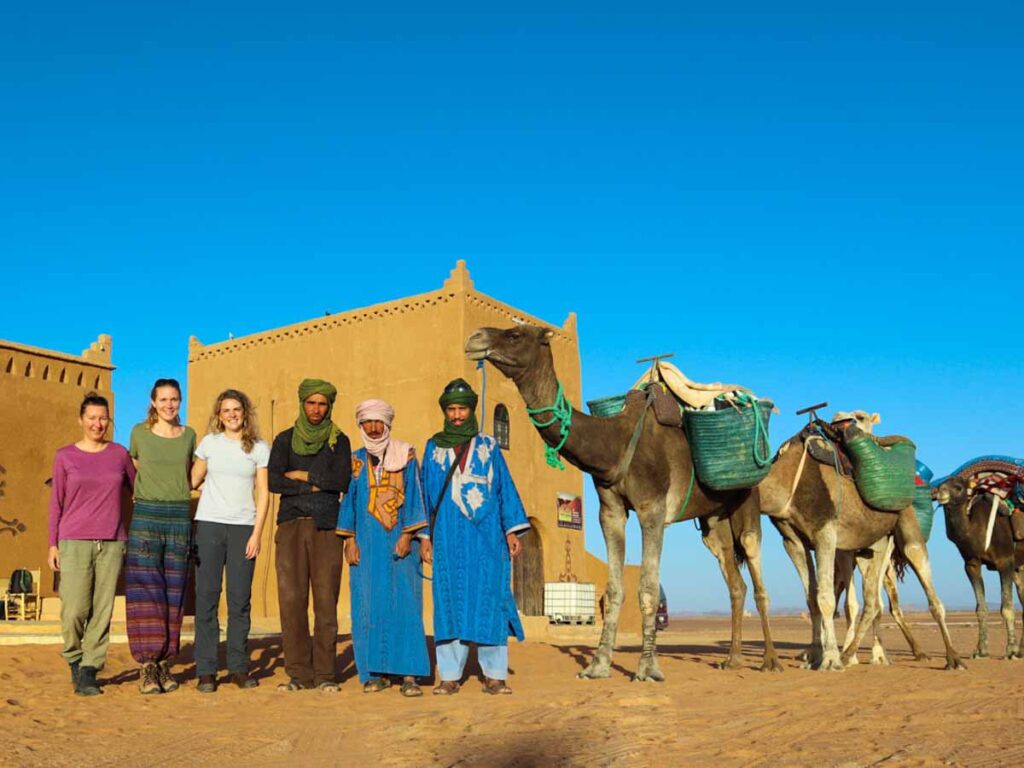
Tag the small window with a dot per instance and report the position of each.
(63, 375)
(501, 426)
(80, 379)
(10, 365)
(96, 384)
(46, 373)
(28, 369)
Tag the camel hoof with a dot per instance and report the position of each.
(851, 660)
(595, 672)
(881, 661)
(772, 665)
(1013, 656)
(831, 663)
(979, 655)
(649, 672)
(955, 663)
(730, 663)
(920, 656)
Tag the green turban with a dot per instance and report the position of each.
(307, 439)
(458, 392)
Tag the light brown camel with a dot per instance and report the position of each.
(966, 524)
(847, 561)
(845, 564)
(818, 509)
(654, 484)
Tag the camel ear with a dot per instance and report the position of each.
(545, 336)
(876, 418)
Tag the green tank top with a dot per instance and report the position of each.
(163, 464)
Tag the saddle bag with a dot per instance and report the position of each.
(730, 445)
(884, 475)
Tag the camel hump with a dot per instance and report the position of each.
(689, 392)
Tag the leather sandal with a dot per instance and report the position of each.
(446, 688)
(410, 690)
(496, 687)
(376, 685)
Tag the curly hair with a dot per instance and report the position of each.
(250, 427)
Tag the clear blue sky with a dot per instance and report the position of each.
(824, 204)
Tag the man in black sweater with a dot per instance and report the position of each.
(310, 466)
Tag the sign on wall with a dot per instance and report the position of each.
(570, 511)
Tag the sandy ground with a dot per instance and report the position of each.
(912, 713)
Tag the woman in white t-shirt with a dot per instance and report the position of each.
(231, 465)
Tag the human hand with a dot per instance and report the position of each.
(515, 546)
(252, 546)
(404, 545)
(298, 474)
(426, 551)
(351, 552)
(53, 559)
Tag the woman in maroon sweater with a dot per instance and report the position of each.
(87, 539)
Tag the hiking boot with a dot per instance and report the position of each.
(86, 684)
(167, 681)
(74, 673)
(207, 684)
(149, 678)
(242, 680)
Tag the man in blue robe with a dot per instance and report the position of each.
(384, 522)
(475, 536)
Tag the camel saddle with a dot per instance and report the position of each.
(824, 444)
(687, 391)
(664, 406)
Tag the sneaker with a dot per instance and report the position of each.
(149, 679)
(207, 684)
(86, 684)
(167, 681)
(242, 680)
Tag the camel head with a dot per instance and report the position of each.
(866, 421)
(953, 490)
(513, 351)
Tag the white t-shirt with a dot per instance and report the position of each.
(228, 491)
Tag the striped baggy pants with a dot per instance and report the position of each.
(159, 543)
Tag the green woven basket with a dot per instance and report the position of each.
(885, 476)
(729, 451)
(607, 406)
(924, 509)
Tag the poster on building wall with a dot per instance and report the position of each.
(570, 511)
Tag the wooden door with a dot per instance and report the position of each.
(528, 575)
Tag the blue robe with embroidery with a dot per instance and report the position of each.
(387, 594)
(472, 570)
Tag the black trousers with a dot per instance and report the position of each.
(222, 547)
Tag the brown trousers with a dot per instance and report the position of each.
(308, 557)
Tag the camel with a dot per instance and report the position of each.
(847, 561)
(652, 476)
(845, 564)
(967, 529)
(815, 508)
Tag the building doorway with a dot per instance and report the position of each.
(528, 574)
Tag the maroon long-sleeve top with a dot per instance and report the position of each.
(85, 502)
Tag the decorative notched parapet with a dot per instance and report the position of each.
(90, 370)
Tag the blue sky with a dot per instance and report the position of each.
(822, 203)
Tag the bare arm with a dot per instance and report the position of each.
(252, 547)
(198, 473)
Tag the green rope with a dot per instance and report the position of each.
(760, 430)
(561, 414)
(689, 491)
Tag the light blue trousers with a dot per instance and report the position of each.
(453, 654)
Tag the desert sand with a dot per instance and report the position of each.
(911, 713)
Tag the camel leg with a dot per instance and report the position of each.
(908, 537)
(973, 569)
(1006, 610)
(804, 565)
(878, 654)
(653, 530)
(872, 573)
(825, 554)
(1018, 580)
(613, 526)
(717, 537)
(750, 541)
(844, 581)
(889, 582)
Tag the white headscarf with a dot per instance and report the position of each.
(394, 454)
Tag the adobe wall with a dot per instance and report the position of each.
(40, 393)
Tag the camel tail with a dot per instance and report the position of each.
(899, 563)
(739, 554)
